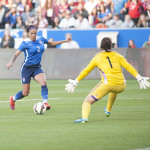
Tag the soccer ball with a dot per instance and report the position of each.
(39, 108)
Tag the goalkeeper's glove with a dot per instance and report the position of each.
(143, 81)
(70, 87)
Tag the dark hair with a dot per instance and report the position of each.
(30, 27)
(129, 46)
(106, 44)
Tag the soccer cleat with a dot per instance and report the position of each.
(12, 103)
(48, 107)
(107, 113)
(81, 120)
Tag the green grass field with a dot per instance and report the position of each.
(127, 128)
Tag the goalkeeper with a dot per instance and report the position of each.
(113, 82)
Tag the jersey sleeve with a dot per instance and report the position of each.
(22, 46)
(45, 40)
(128, 67)
(87, 70)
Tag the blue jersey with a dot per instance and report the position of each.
(118, 5)
(33, 51)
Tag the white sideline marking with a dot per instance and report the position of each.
(64, 98)
(147, 148)
(28, 100)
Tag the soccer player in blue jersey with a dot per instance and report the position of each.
(33, 49)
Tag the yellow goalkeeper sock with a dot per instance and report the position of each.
(86, 108)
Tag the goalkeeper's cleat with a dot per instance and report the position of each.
(48, 107)
(81, 120)
(12, 103)
(107, 113)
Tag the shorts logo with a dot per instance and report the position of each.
(23, 80)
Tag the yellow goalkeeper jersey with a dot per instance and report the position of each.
(110, 66)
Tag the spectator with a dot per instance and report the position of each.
(134, 10)
(82, 23)
(89, 6)
(145, 4)
(27, 14)
(72, 6)
(11, 16)
(100, 2)
(41, 22)
(7, 40)
(108, 4)
(147, 43)
(19, 24)
(63, 6)
(34, 2)
(71, 44)
(117, 6)
(82, 11)
(103, 14)
(128, 22)
(49, 12)
(115, 22)
(80, 1)
(131, 44)
(31, 20)
(93, 19)
(3, 11)
(22, 5)
(40, 11)
(9, 4)
(18, 41)
(147, 13)
(142, 21)
(68, 21)
(56, 23)
(17, 2)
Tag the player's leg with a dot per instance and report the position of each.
(115, 89)
(25, 78)
(111, 100)
(99, 91)
(19, 95)
(41, 79)
(88, 101)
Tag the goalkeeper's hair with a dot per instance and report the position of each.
(106, 44)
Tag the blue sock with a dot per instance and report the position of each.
(19, 95)
(44, 93)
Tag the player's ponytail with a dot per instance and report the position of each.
(106, 44)
(30, 27)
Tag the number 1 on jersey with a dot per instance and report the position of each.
(109, 62)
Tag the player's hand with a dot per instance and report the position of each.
(70, 87)
(9, 65)
(143, 81)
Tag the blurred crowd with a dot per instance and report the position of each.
(78, 14)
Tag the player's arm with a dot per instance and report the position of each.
(55, 43)
(143, 81)
(10, 64)
(70, 87)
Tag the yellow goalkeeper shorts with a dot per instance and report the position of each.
(104, 89)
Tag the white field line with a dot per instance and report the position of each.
(64, 99)
(29, 100)
(147, 148)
